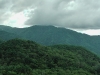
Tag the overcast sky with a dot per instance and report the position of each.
(81, 15)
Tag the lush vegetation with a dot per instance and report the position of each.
(4, 35)
(24, 57)
(50, 35)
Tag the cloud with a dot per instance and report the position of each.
(68, 13)
(21, 5)
(76, 14)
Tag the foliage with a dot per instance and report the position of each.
(50, 35)
(24, 57)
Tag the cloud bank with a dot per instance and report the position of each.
(76, 14)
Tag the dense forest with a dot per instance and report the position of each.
(50, 35)
(4, 35)
(24, 57)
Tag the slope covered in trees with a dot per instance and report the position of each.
(4, 35)
(50, 35)
(24, 57)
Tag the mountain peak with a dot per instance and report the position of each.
(51, 35)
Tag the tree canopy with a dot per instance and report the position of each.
(24, 57)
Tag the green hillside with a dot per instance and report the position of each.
(50, 35)
(4, 35)
(24, 57)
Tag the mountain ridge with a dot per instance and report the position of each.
(50, 35)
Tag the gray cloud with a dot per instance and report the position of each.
(21, 5)
(4, 10)
(71, 14)
(65, 13)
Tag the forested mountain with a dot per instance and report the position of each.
(4, 35)
(50, 35)
(24, 57)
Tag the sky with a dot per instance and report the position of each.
(80, 15)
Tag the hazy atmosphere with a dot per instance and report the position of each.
(79, 15)
(49, 37)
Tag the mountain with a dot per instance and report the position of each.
(50, 35)
(4, 35)
(24, 57)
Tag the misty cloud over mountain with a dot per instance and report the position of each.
(78, 14)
